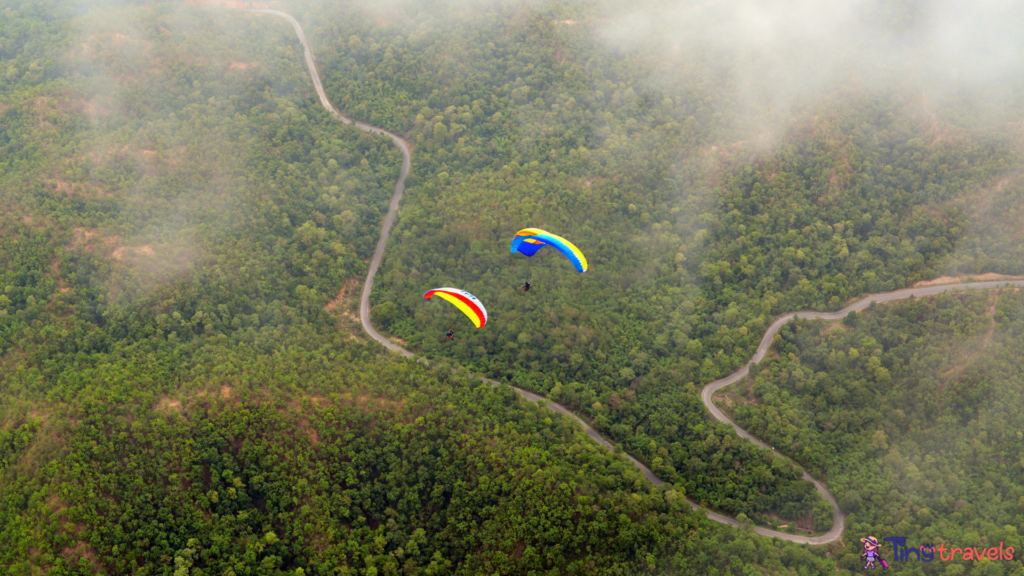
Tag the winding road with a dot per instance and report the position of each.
(838, 525)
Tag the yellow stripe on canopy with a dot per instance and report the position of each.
(461, 306)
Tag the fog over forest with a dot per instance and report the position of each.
(788, 49)
(186, 387)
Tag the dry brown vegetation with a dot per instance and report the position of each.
(144, 250)
(988, 277)
(91, 240)
(938, 130)
(968, 352)
(11, 359)
(739, 394)
(55, 109)
(168, 404)
(342, 302)
(55, 267)
(345, 306)
(82, 551)
(981, 203)
(305, 424)
(78, 189)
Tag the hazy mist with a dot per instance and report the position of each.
(775, 55)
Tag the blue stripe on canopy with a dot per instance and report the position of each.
(529, 244)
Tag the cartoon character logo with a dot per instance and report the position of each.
(870, 554)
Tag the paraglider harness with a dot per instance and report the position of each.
(526, 287)
(450, 335)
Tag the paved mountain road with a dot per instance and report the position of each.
(834, 534)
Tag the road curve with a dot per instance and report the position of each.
(364, 300)
(708, 392)
(838, 525)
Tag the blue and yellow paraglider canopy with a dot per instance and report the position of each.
(529, 240)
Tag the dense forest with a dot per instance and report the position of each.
(910, 412)
(326, 459)
(183, 388)
(696, 236)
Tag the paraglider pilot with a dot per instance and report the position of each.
(450, 334)
(526, 287)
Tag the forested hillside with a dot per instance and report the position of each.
(183, 389)
(179, 391)
(324, 459)
(910, 412)
(176, 194)
(699, 229)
